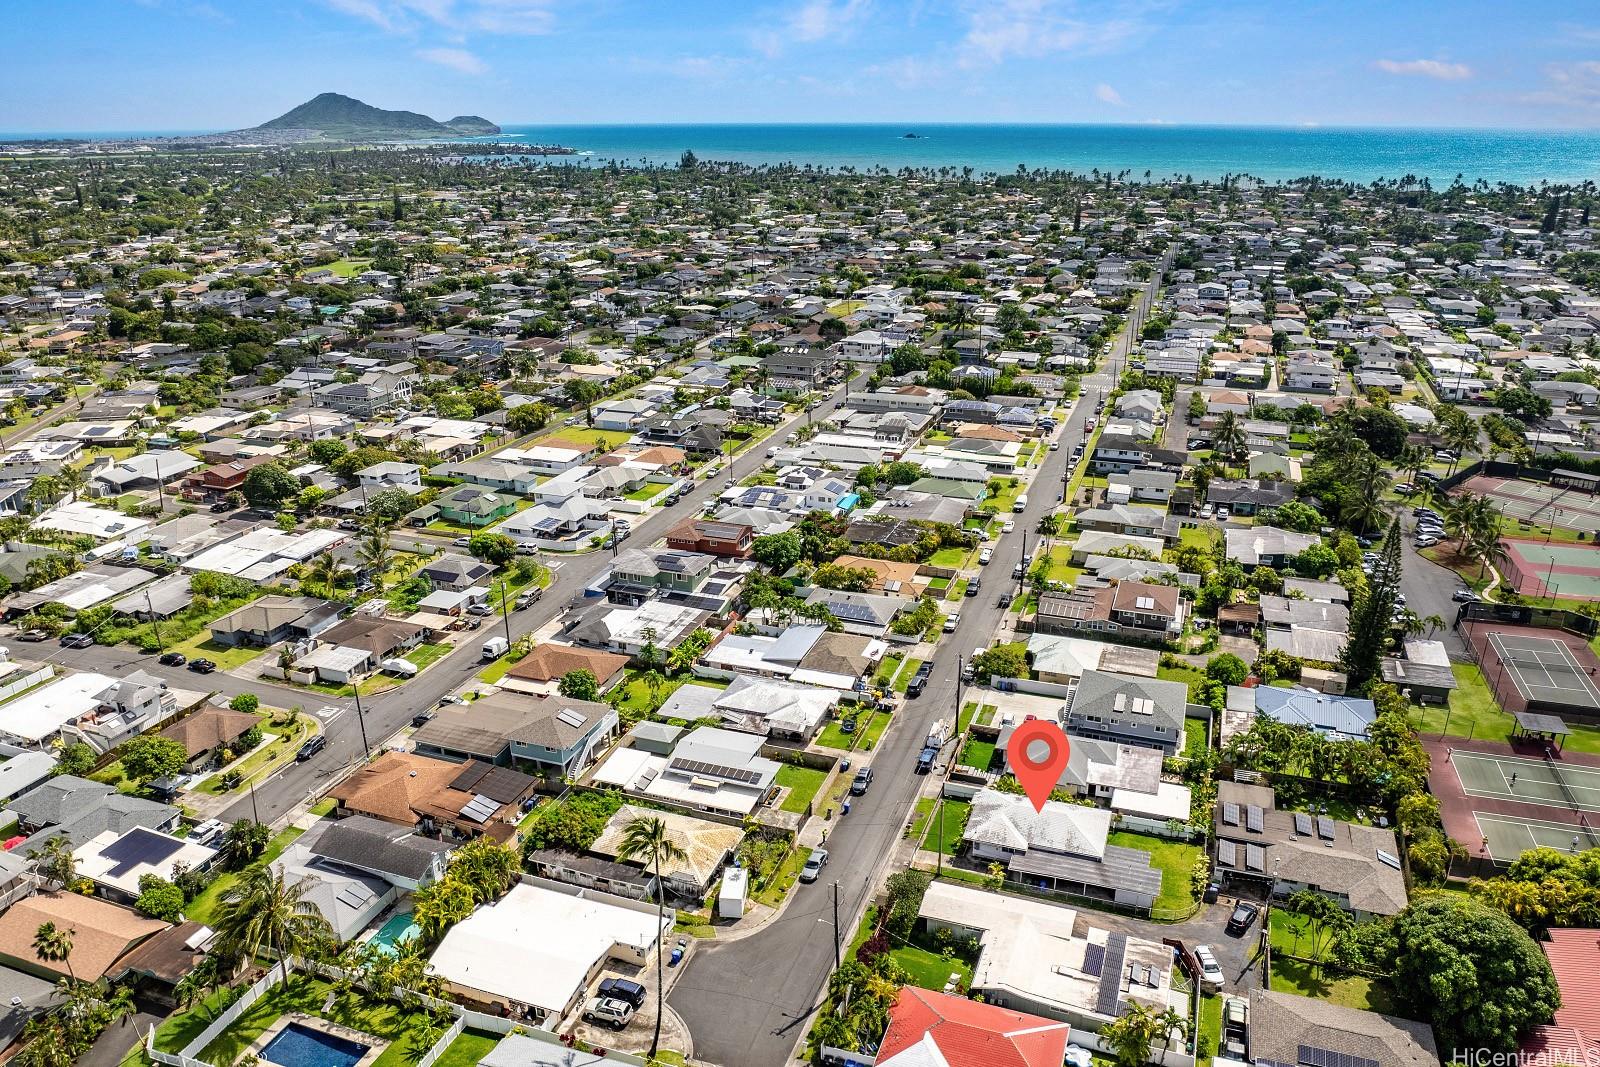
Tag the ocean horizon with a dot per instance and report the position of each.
(1273, 153)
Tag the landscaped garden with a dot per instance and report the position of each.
(1174, 859)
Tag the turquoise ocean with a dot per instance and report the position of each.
(1272, 153)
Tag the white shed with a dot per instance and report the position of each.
(730, 898)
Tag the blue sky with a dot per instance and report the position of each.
(220, 64)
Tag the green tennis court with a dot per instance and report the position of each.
(1553, 569)
(1508, 836)
(1531, 781)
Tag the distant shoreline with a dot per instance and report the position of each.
(1271, 153)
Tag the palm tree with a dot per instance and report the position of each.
(374, 554)
(72, 479)
(1172, 1022)
(645, 839)
(1364, 510)
(264, 912)
(1228, 440)
(1411, 460)
(323, 570)
(52, 944)
(1487, 550)
(439, 906)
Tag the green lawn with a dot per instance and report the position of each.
(929, 970)
(1289, 976)
(266, 762)
(468, 1049)
(772, 893)
(635, 694)
(954, 822)
(348, 268)
(802, 784)
(200, 646)
(977, 753)
(425, 655)
(875, 729)
(1194, 737)
(1189, 676)
(1210, 1025)
(833, 735)
(957, 590)
(497, 670)
(886, 670)
(585, 435)
(919, 816)
(1474, 713)
(1174, 859)
(908, 670)
(203, 908)
(649, 491)
(950, 557)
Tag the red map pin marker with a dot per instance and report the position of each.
(1037, 754)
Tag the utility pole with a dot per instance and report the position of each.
(505, 616)
(154, 625)
(361, 719)
(836, 962)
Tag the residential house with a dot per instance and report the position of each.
(436, 796)
(548, 734)
(713, 537)
(1128, 709)
(268, 620)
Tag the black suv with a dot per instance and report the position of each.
(311, 748)
(623, 990)
(918, 683)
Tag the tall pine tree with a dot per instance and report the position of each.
(1373, 618)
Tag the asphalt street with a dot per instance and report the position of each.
(386, 714)
(749, 1002)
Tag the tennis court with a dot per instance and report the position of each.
(1538, 568)
(1544, 672)
(1507, 837)
(1532, 781)
(1540, 503)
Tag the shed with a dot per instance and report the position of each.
(730, 898)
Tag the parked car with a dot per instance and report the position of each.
(1007, 526)
(951, 621)
(421, 718)
(173, 659)
(814, 864)
(1016, 571)
(624, 990)
(1211, 977)
(479, 609)
(1077, 1056)
(1223, 514)
(311, 748)
(529, 596)
(76, 641)
(986, 555)
(202, 666)
(918, 683)
(925, 759)
(973, 585)
(1464, 596)
(1243, 917)
(859, 784)
(606, 1011)
(1055, 446)
(33, 635)
(1426, 541)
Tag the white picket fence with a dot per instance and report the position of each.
(192, 1051)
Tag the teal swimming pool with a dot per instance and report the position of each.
(399, 929)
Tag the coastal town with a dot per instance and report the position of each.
(484, 611)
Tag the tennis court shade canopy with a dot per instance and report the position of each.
(1539, 725)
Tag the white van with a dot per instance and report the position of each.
(495, 647)
(1020, 504)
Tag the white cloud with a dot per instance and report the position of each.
(1573, 86)
(1425, 68)
(998, 30)
(517, 17)
(458, 59)
(1107, 95)
(812, 22)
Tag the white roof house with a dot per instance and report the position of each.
(537, 947)
(119, 860)
(263, 554)
(38, 714)
(82, 517)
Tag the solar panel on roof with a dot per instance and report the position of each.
(479, 809)
(1324, 827)
(1254, 819)
(572, 718)
(1227, 854)
(1302, 824)
(1230, 814)
(139, 846)
(1388, 859)
(1255, 857)
(735, 774)
(1312, 1056)
(1094, 959)
(852, 612)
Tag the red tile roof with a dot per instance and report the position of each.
(1575, 1032)
(970, 1034)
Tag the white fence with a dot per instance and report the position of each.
(1029, 685)
(27, 681)
(443, 1043)
(233, 1011)
(1158, 827)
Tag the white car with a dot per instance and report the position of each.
(986, 555)
(1055, 446)
(1222, 514)
(1077, 1056)
(951, 621)
(1205, 512)
(1007, 526)
(1210, 970)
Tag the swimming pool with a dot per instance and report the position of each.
(400, 928)
(300, 1046)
